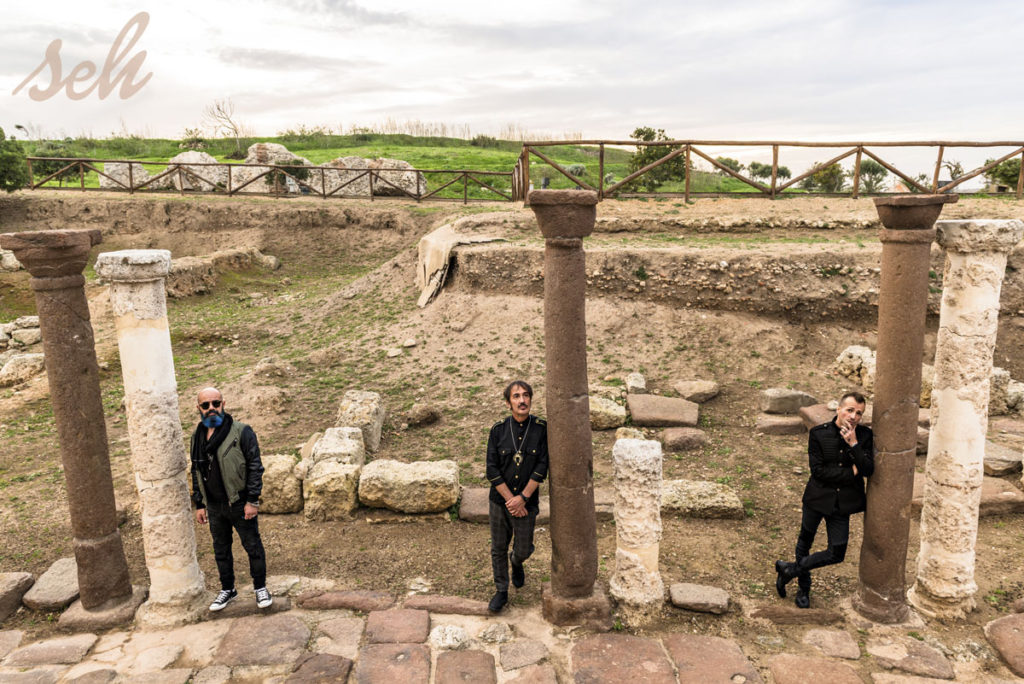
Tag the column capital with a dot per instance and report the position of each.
(979, 235)
(564, 213)
(134, 265)
(911, 212)
(52, 253)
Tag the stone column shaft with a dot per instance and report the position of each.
(565, 217)
(976, 253)
(636, 583)
(56, 260)
(906, 237)
(138, 301)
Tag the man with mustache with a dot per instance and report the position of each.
(517, 462)
(841, 455)
(227, 478)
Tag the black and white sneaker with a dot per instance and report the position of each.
(225, 597)
(263, 598)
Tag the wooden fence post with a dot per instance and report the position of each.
(600, 171)
(81, 175)
(1020, 176)
(686, 174)
(775, 168)
(465, 188)
(938, 168)
(526, 175)
(856, 172)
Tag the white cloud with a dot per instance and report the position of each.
(735, 69)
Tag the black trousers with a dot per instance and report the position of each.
(504, 529)
(837, 527)
(224, 518)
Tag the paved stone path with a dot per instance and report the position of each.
(366, 637)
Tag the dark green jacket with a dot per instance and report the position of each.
(240, 466)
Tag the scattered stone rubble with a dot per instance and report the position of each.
(857, 363)
(21, 356)
(393, 177)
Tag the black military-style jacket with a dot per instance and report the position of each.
(505, 438)
(832, 487)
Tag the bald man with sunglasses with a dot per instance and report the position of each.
(227, 479)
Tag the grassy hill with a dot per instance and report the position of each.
(483, 153)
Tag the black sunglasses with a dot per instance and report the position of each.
(206, 404)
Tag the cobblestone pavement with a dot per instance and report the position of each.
(313, 633)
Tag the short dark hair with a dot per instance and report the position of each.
(518, 383)
(856, 396)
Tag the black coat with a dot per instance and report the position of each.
(833, 488)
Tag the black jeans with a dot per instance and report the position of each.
(223, 518)
(837, 527)
(504, 529)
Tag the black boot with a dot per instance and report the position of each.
(518, 573)
(784, 574)
(498, 601)
(803, 598)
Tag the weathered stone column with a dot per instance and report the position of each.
(565, 217)
(139, 304)
(906, 237)
(56, 259)
(636, 583)
(976, 253)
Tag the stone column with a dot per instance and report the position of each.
(139, 303)
(55, 259)
(636, 583)
(565, 217)
(976, 253)
(906, 237)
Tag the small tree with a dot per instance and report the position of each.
(757, 170)
(673, 169)
(220, 116)
(730, 163)
(13, 171)
(57, 149)
(1004, 174)
(192, 139)
(872, 174)
(829, 179)
(955, 168)
(784, 173)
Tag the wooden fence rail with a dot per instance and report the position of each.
(196, 176)
(690, 148)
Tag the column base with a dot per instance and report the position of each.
(153, 615)
(113, 613)
(102, 570)
(593, 612)
(940, 608)
(879, 609)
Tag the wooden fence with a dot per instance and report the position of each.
(308, 180)
(692, 148)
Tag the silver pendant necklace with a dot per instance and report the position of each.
(518, 457)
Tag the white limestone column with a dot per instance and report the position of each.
(976, 253)
(139, 303)
(636, 583)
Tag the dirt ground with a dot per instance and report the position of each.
(345, 296)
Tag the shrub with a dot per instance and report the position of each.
(277, 177)
(57, 149)
(674, 169)
(13, 171)
(1004, 174)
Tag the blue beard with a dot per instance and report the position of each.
(214, 420)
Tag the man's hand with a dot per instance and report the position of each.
(250, 511)
(201, 516)
(854, 468)
(848, 434)
(516, 506)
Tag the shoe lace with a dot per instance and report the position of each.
(262, 594)
(223, 596)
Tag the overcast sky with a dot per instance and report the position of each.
(731, 69)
